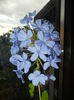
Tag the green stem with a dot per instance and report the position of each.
(39, 91)
(40, 61)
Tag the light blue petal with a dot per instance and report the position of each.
(51, 28)
(55, 35)
(57, 49)
(18, 57)
(34, 56)
(46, 78)
(13, 60)
(33, 13)
(24, 55)
(23, 44)
(58, 52)
(54, 65)
(26, 70)
(38, 42)
(47, 36)
(14, 50)
(40, 35)
(28, 42)
(37, 47)
(43, 57)
(18, 65)
(37, 73)
(22, 36)
(56, 59)
(46, 65)
(27, 19)
(45, 28)
(29, 34)
(52, 77)
(27, 66)
(31, 77)
(35, 81)
(38, 22)
(32, 49)
(22, 21)
(18, 73)
(45, 50)
(22, 65)
(34, 25)
(50, 44)
(42, 79)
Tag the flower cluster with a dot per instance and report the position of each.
(37, 45)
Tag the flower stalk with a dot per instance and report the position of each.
(39, 91)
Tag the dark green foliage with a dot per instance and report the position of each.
(4, 51)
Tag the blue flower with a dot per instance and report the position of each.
(40, 25)
(25, 38)
(28, 18)
(13, 59)
(55, 36)
(24, 64)
(51, 28)
(21, 62)
(14, 50)
(33, 14)
(46, 40)
(57, 49)
(39, 51)
(19, 74)
(52, 36)
(51, 62)
(37, 78)
(52, 77)
(13, 37)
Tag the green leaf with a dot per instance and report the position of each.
(44, 95)
(31, 89)
(31, 93)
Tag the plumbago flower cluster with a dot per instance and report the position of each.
(36, 44)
